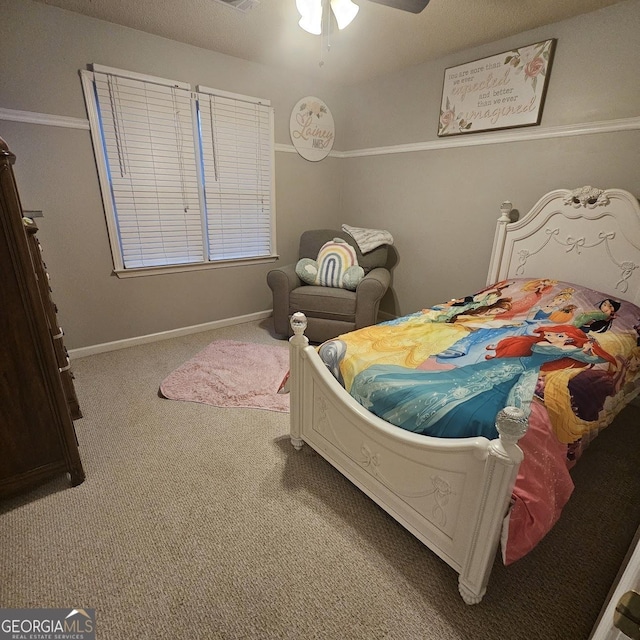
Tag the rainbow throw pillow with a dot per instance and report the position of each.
(336, 266)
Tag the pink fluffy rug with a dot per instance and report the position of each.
(232, 374)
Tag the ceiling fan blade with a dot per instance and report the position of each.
(414, 6)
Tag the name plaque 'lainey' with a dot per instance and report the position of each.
(312, 128)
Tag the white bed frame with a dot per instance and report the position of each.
(453, 494)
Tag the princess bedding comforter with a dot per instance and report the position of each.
(567, 355)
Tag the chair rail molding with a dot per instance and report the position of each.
(516, 135)
(32, 117)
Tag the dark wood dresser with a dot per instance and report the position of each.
(38, 402)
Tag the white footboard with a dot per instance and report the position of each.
(452, 494)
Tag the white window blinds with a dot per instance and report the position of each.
(189, 175)
(237, 155)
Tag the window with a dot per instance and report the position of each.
(186, 176)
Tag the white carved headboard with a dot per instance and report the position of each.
(587, 236)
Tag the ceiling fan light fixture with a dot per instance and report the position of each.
(344, 11)
(310, 15)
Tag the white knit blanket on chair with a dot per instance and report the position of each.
(368, 239)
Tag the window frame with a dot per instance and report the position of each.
(119, 269)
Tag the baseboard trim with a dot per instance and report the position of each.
(82, 352)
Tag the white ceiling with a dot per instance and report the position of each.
(380, 40)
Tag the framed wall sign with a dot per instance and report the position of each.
(500, 92)
(312, 128)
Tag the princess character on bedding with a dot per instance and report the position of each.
(599, 321)
(463, 401)
(557, 311)
(531, 294)
(454, 366)
(566, 354)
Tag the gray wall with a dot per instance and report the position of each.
(440, 205)
(41, 51)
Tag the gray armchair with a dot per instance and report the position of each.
(330, 311)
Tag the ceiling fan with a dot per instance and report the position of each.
(344, 11)
(413, 6)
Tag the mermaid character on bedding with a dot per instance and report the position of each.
(494, 322)
(482, 352)
(463, 402)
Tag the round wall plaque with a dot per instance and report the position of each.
(312, 128)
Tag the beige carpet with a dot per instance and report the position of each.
(199, 522)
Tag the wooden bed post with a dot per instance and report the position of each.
(500, 474)
(297, 342)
